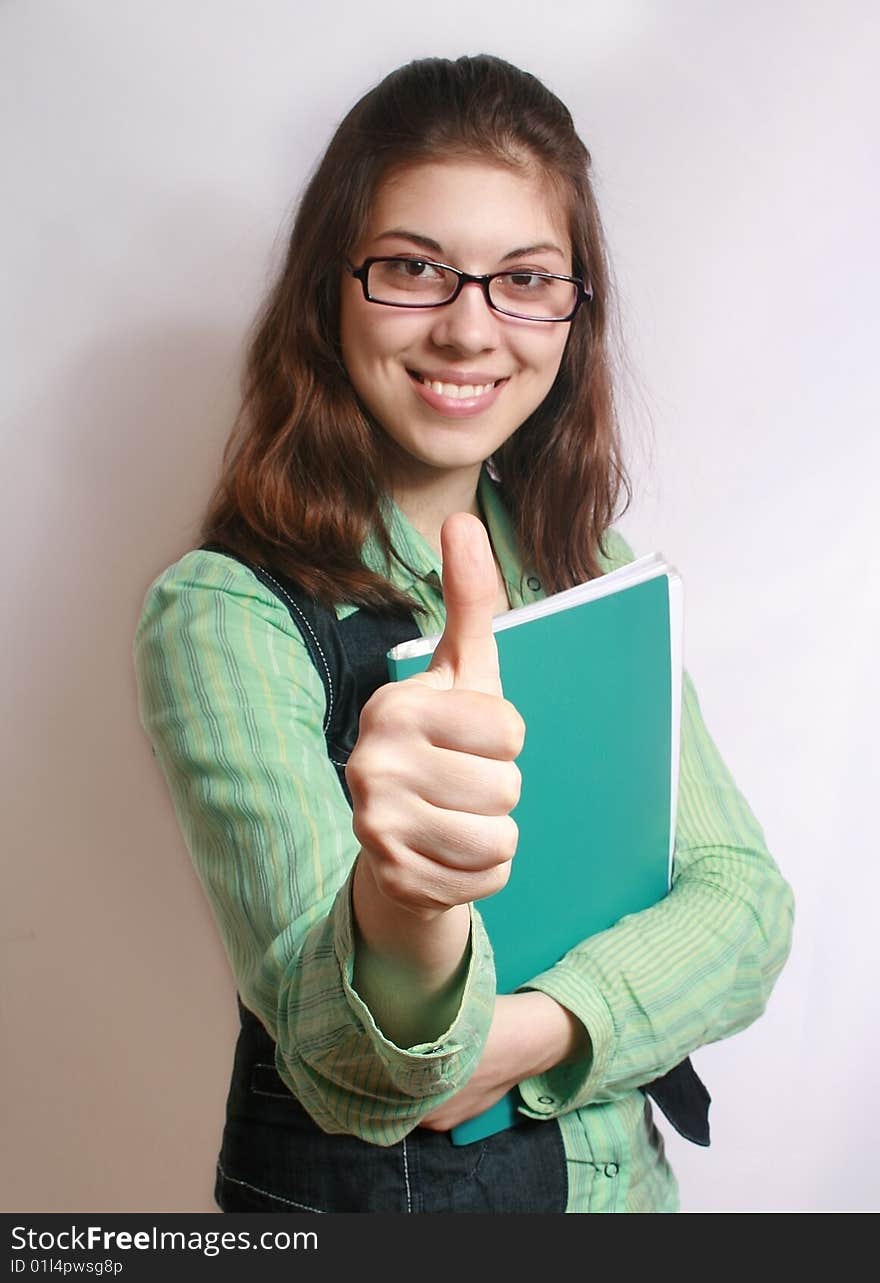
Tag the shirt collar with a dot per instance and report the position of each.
(413, 548)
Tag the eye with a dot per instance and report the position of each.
(417, 269)
(541, 296)
(410, 282)
(527, 282)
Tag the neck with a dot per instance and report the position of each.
(427, 502)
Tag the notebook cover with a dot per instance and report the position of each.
(593, 684)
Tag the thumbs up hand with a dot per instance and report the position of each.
(466, 657)
(432, 775)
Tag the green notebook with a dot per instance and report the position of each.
(595, 672)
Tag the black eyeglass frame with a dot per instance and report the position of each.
(584, 292)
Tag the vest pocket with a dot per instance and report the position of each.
(275, 1158)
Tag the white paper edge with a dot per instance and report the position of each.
(635, 572)
(676, 657)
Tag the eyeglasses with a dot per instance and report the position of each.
(419, 282)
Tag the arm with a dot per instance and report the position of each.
(529, 1035)
(234, 709)
(697, 967)
(629, 1003)
(432, 781)
(644, 994)
(410, 971)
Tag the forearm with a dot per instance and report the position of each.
(410, 971)
(349, 1075)
(530, 1035)
(269, 833)
(695, 969)
(698, 966)
(542, 1034)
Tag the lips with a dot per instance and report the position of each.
(463, 394)
(463, 386)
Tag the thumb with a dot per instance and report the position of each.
(467, 655)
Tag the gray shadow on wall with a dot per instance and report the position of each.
(117, 1005)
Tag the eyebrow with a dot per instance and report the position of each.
(401, 233)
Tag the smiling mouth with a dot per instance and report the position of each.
(458, 391)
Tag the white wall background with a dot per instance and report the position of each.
(152, 154)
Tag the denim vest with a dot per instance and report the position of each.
(274, 1157)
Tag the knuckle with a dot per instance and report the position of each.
(380, 706)
(393, 708)
(515, 729)
(370, 829)
(513, 784)
(370, 709)
(482, 845)
(508, 838)
(495, 880)
(352, 770)
(359, 770)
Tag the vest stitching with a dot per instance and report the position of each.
(295, 607)
(406, 1178)
(261, 571)
(277, 1197)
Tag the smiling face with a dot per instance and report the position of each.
(450, 384)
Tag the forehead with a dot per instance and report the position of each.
(471, 206)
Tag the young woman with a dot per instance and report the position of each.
(427, 438)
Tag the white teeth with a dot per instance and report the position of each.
(458, 391)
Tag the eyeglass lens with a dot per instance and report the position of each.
(413, 282)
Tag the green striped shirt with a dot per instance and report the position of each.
(234, 709)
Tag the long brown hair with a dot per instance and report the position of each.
(304, 471)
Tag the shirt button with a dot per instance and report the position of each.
(546, 1100)
(611, 1169)
(533, 583)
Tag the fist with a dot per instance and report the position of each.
(432, 776)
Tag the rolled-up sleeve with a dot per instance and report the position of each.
(234, 710)
(697, 967)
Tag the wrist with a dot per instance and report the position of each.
(410, 975)
(430, 949)
(550, 1034)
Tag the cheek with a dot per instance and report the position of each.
(374, 338)
(548, 358)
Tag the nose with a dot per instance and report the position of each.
(469, 324)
